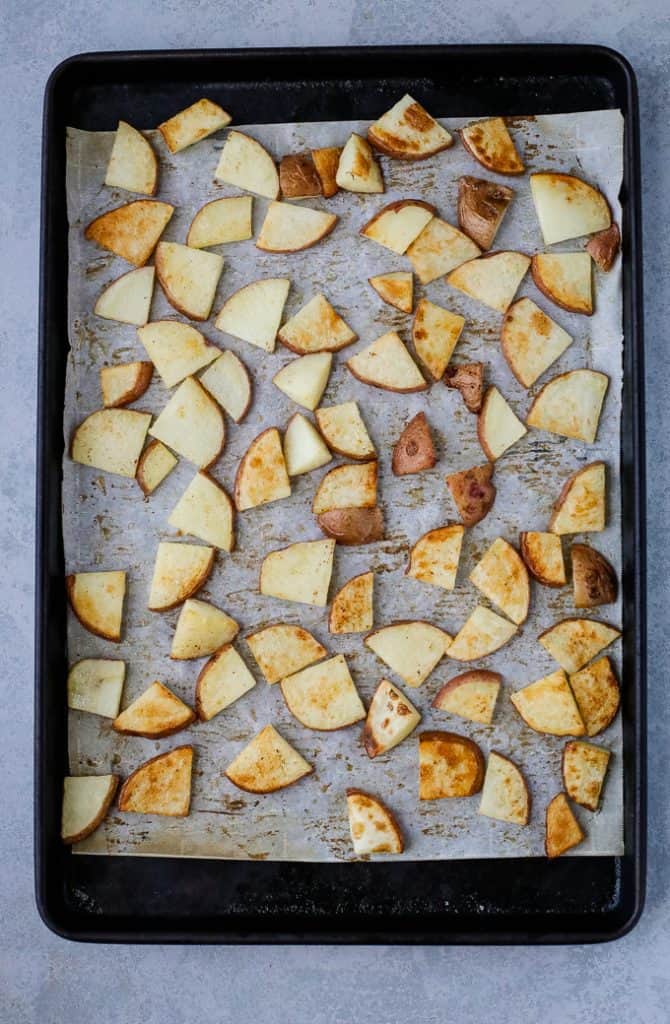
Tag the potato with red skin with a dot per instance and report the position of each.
(481, 208)
(468, 379)
(473, 492)
(603, 248)
(414, 451)
(353, 525)
(593, 578)
(298, 177)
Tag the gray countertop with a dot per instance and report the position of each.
(44, 979)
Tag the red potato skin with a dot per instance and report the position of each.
(594, 580)
(480, 504)
(99, 818)
(414, 451)
(565, 490)
(69, 586)
(393, 821)
(539, 283)
(298, 177)
(349, 526)
(468, 380)
(127, 783)
(478, 217)
(200, 582)
(399, 204)
(603, 248)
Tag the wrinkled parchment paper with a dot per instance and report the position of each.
(108, 525)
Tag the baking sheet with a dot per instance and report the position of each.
(108, 525)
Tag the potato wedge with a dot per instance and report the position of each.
(177, 350)
(373, 827)
(304, 448)
(155, 713)
(95, 685)
(358, 170)
(284, 649)
(414, 450)
(220, 222)
(481, 208)
(584, 767)
(305, 379)
(179, 572)
(408, 132)
(344, 431)
(435, 333)
(192, 425)
(562, 830)
(227, 380)
(247, 165)
(387, 364)
(439, 249)
(492, 279)
(581, 505)
(543, 555)
(568, 207)
(132, 163)
(570, 405)
(490, 143)
(298, 177)
(480, 635)
(223, 680)
(391, 718)
(155, 463)
(327, 161)
(468, 379)
(124, 383)
(548, 706)
(470, 695)
(111, 440)
(86, 800)
(604, 247)
(254, 313)
(594, 580)
(349, 486)
(353, 525)
(435, 556)
(498, 426)
(261, 475)
(188, 277)
(574, 642)
(449, 766)
(352, 607)
(300, 572)
(267, 763)
(205, 511)
(411, 649)
(162, 785)
(473, 492)
(96, 598)
(531, 341)
(502, 577)
(316, 328)
(201, 630)
(505, 794)
(565, 278)
(128, 298)
(598, 695)
(131, 231)
(323, 696)
(290, 228)
(196, 122)
(396, 289)
(396, 225)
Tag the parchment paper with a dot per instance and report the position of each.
(108, 525)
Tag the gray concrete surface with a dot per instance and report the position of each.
(44, 979)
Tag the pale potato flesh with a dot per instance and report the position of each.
(95, 685)
(344, 430)
(86, 800)
(132, 163)
(177, 350)
(581, 506)
(548, 706)
(410, 649)
(128, 299)
(502, 577)
(111, 440)
(483, 633)
(531, 341)
(201, 630)
(97, 601)
(408, 132)
(568, 207)
(505, 795)
(290, 228)
(439, 249)
(396, 289)
(472, 695)
(156, 462)
(323, 696)
(435, 333)
(124, 383)
(584, 768)
(352, 607)
(597, 693)
(224, 679)
(131, 231)
(435, 556)
(398, 224)
(563, 831)
(493, 279)
(161, 785)
(387, 364)
(358, 170)
(372, 826)
(317, 327)
(304, 380)
(566, 279)
(391, 718)
(192, 424)
(570, 405)
(261, 475)
(543, 555)
(304, 448)
(254, 312)
(228, 382)
(449, 766)
(498, 426)
(267, 763)
(205, 511)
(179, 571)
(196, 122)
(300, 572)
(246, 164)
(156, 712)
(188, 277)
(349, 486)
(283, 649)
(574, 642)
(221, 221)
(490, 143)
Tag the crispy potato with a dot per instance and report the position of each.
(352, 607)
(481, 208)
(316, 327)
(492, 278)
(353, 525)
(223, 680)
(490, 143)
(584, 767)
(201, 630)
(86, 800)
(396, 225)
(267, 763)
(284, 649)
(396, 289)
(438, 249)
(411, 649)
(205, 511)
(505, 794)
(543, 555)
(111, 440)
(155, 463)
(387, 364)
(449, 766)
(261, 475)
(344, 430)
(408, 132)
(435, 556)
(298, 177)
(435, 333)
(498, 426)
(502, 577)
(221, 221)
(548, 706)
(574, 642)
(155, 713)
(304, 380)
(327, 161)
(254, 313)
(565, 278)
(300, 572)
(468, 379)
(349, 486)
(323, 696)
(304, 448)
(597, 694)
(593, 578)
(483, 633)
(570, 404)
(357, 170)
(581, 505)
(162, 785)
(374, 829)
(132, 163)
(124, 383)
(247, 165)
(289, 228)
(95, 685)
(531, 341)
(128, 298)
(96, 598)
(192, 425)
(473, 492)
(131, 231)
(470, 695)
(414, 450)
(179, 572)
(177, 350)
(391, 718)
(563, 831)
(188, 278)
(227, 380)
(604, 247)
(567, 207)
(196, 122)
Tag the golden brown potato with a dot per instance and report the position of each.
(563, 831)
(449, 766)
